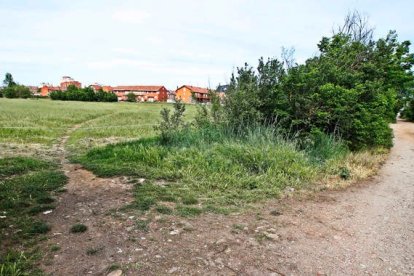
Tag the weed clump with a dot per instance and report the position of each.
(39, 227)
(187, 211)
(162, 209)
(78, 228)
(189, 200)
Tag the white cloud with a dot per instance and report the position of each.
(131, 16)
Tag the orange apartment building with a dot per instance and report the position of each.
(143, 93)
(46, 89)
(96, 87)
(192, 94)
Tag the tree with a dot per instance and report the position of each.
(8, 80)
(353, 88)
(131, 98)
(357, 27)
(17, 91)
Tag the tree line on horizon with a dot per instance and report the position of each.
(86, 94)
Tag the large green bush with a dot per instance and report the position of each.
(408, 110)
(86, 94)
(16, 91)
(352, 89)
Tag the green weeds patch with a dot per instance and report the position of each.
(78, 228)
(26, 189)
(210, 168)
(19, 165)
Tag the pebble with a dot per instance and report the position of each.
(172, 270)
(115, 273)
(175, 232)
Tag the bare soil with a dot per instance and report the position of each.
(365, 229)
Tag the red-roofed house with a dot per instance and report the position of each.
(66, 81)
(107, 88)
(143, 93)
(96, 87)
(191, 94)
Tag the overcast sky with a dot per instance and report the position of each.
(171, 42)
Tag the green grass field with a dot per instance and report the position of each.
(28, 126)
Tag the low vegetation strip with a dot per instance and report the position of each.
(214, 168)
(26, 189)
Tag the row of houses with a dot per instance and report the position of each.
(143, 93)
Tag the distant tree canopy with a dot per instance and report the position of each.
(86, 94)
(13, 90)
(131, 97)
(8, 80)
(353, 88)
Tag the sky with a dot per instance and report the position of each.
(171, 42)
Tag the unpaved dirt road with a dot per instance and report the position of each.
(367, 229)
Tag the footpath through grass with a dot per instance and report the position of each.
(33, 126)
(26, 189)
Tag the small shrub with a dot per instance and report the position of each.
(162, 209)
(344, 173)
(145, 203)
(78, 228)
(39, 227)
(131, 98)
(171, 124)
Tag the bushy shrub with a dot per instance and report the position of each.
(86, 94)
(78, 228)
(16, 91)
(349, 90)
(131, 98)
(171, 123)
(408, 111)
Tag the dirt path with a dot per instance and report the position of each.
(364, 230)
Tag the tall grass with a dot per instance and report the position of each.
(215, 163)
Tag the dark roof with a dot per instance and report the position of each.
(222, 88)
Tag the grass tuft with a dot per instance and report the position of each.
(187, 211)
(162, 209)
(39, 227)
(78, 228)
